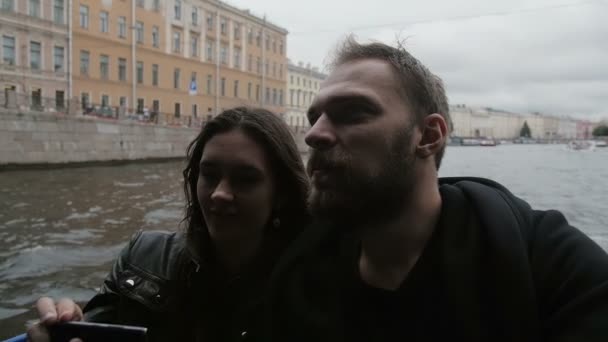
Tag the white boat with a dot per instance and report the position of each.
(581, 145)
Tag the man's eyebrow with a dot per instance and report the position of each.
(346, 99)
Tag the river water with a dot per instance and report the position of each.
(60, 229)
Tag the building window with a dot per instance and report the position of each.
(224, 54)
(58, 56)
(140, 72)
(281, 47)
(210, 22)
(176, 75)
(35, 50)
(236, 88)
(267, 68)
(258, 39)
(177, 10)
(281, 97)
(194, 110)
(223, 87)
(259, 65)
(155, 106)
(267, 98)
(177, 41)
(140, 105)
(155, 37)
(281, 71)
(249, 90)
(267, 42)
(194, 16)
(237, 58)
(8, 50)
(84, 16)
(139, 32)
(156, 5)
(58, 11)
(34, 8)
(37, 99)
(122, 27)
(223, 26)
(122, 101)
(250, 63)
(274, 97)
(257, 93)
(104, 67)
(155, 74)
(141, 3)
(291, 97)
(8, 5)
(103, 21)
(122, 69)
(209, 84)
(274, 46)
(178, 109)
(298, 80)
(84, 62)
(194, 45)
(274, 69)
(59, 99)
(250, 36)
(84, 100)
(209, 50)
(105, 101)
(237, 31)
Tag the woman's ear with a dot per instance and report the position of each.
(434, 130)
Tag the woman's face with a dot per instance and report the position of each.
(235, 187)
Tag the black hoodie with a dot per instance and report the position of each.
(494, 270)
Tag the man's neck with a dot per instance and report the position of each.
(390, 250)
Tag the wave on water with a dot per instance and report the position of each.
(160, 215)
(44, 260)
(128, 185)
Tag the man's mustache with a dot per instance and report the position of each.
(323, 160)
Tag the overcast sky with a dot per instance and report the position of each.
(549, 56)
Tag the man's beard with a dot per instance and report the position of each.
(359, 196)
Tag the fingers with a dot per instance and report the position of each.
(67, 310)
(75, 340)
(46, 311)
(38, 333)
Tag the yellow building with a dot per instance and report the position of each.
(34, 68)
(175, 60)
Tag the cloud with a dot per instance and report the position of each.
(516, 55)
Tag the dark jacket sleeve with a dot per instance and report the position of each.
(571, 274)
(103, 307)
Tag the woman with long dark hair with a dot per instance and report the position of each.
(245, 188)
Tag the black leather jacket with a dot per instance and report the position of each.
(159, 281)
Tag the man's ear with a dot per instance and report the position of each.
(434, 130)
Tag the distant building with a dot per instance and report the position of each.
(470, 122)
(303, 83)
(35, 61)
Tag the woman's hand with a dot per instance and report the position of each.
(50, 313)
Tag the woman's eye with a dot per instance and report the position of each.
(208, 175)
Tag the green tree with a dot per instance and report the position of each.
(600, 131)
(525, 131)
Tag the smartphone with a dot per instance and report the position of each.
(97, 332)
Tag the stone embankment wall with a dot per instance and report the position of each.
(43, 138)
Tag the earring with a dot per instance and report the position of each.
(276, 222)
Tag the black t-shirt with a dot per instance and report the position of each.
(375, 314)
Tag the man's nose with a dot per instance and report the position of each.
(321, 136)
(222, 192)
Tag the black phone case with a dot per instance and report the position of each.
(96, 332)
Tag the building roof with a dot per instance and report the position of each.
(261, 20)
